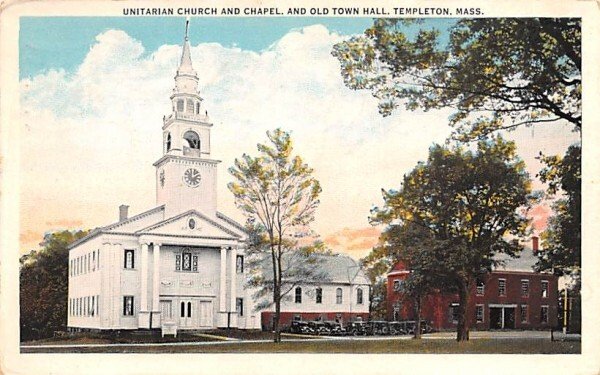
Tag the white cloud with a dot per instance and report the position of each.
(89, 138)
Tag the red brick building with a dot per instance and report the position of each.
(512, 296)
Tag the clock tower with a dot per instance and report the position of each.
(186, 176)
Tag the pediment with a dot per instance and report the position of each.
(191, 224)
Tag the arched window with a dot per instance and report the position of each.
(298, 295)
(338, 296)
(189, 309)
(198, 108)
(180, 105)
(359, 296)
(189, 106)
(168, 141)
(192, 139)
(183, 309)
(319, 298)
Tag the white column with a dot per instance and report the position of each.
(156, 277)
(233, 284)
(144, 280)
(223, 280)
(233, 288)
(144, 314)
(222, 316)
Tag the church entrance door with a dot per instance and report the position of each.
(186, 314)
(206, 314)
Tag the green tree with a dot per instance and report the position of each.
(471, 202)
(562, 238)
(277, 193)
(496, 73)
(43, 286)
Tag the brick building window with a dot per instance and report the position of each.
(524, 313)
(128, 305)
(319, 295)
(298, 295)
(501, 287)
(544, 314)
(453, 313)
(479, 313)
(480, 287)
(524, 288)
(129, 259)
(544, 288)
(397, 285)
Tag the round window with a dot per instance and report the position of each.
(192, 223)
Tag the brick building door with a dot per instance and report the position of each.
(502, 317)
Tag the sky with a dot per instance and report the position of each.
(94, 90)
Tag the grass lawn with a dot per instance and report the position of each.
(479, 346)
(123, 338)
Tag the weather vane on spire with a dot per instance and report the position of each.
(187, 26)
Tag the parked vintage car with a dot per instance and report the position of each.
(299, 326)
(335, 328)
(398, 328)
(356, 328)
(411, 326)
(378, 327)
(319, 328)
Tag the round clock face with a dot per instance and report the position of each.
(192, 177)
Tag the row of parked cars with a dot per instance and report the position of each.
(358, 328)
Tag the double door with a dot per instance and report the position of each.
(194, 313)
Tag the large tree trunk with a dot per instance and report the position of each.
(276, 328)
(462, 330)
(417, 333)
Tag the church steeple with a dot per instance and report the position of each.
(185, 66)
(186, 176)
(186, 79)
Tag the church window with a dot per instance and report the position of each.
(187, 262)
(93, 305)
(338, 296)
(192, 223)
(94, 260)
(359, 296)
(189, 312)
(190, 106)
(180, 105)
(128, 305)
(195, 263)
(319, 298)
(239, 264)
(298, 295)
(168, 141)
(129, 259)
(192, 139)
(197, 108)
(177, 262)
(183, 309)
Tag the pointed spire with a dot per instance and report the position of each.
(186, 58)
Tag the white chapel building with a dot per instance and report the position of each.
(181, 262)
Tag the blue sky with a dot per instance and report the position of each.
(62, 42)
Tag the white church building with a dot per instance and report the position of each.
(181, 263)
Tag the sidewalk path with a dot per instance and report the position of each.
(493, 335)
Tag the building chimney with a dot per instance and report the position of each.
(535, 244)
(123, 212)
